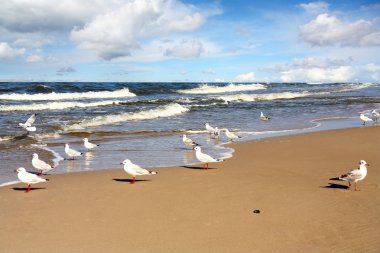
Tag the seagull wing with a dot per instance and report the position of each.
(31, 120)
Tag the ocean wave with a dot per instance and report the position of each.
(353, 87)
(56, 105)
(263, 97)
(160, 112)
(68, 96)
(208, 89)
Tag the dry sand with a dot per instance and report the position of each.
(185, 209)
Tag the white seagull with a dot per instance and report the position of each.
(375, 115)
(205, 158)
(28, 124)
(264, 117)
(209, 128)
(135, 170)
(40, 165)
(230, 136)
(188, 142)
(88, 145)
(356, 174)
(29, 178)
(216, 132)
(72, 153)
(365, 119)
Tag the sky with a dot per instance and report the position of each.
(189, 41)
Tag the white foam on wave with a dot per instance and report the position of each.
(209, 89)
(160, 112)
(55, 105)
(68, 96)
(263, 97)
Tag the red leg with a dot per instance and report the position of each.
(206, 166)
(28, 190)
(133, 180)
(40, 172)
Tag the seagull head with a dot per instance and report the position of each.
(126, 161)
(197, 148)
(362, 162)
(85, 139)
(35, 155)
(21, 169)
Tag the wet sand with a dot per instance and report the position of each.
(186, 209)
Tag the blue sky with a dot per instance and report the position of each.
(189, 40)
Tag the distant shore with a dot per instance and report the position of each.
(273, 195)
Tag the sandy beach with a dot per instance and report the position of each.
(186, 209)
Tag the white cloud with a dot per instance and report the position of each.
(35, 58)
(248, 77)
(118, 32)
(7, 52)
(327, 30)
(315, 7)
(186, 49)
(333, 74)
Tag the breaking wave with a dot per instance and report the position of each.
(263, 97)
(68, 96)
(56, 106)
(160, 112)
(208, 89)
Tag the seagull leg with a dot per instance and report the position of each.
(356, 189)
(206, 166)
(28, 190)
(133, 180)
(40, 172)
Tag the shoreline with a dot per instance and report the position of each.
(185, 209)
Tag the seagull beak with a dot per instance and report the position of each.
(367, 164)
(121, 163)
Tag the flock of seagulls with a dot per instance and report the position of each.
(135, 170)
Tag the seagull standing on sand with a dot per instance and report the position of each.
(188, 142)
(365, 119)
(28, 124)
(230, 136)
(264, 117)
(40, 165)
(375, 115)
(356, 174)
(29, 178)
(88, 145)
(72, 153)
(209, 128)
(135, 170)
(204, 158)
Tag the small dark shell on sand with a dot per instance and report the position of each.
(256, 211)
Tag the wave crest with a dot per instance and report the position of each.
(263, 97)
(160, 112)
(68, 96)
(207, 89)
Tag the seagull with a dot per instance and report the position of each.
(29, 178)
(209, 128)
(375, 115)
(72, 153)
(40, 165)
(216, 132)
(264, 117)
(365, 119)
(88, 145)
(28, 124)
(204, 158)
(188, 142)
(135, 170)
(230, 136)
(356, 174)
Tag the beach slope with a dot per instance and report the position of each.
(186, 209)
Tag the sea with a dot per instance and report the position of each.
(145, 122)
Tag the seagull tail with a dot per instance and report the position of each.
(335, 178)
(153, 172)
(220, 160)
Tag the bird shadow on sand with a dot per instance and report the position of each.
(334, 185)
(25, 188)
(197, 168)
(127, 180)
